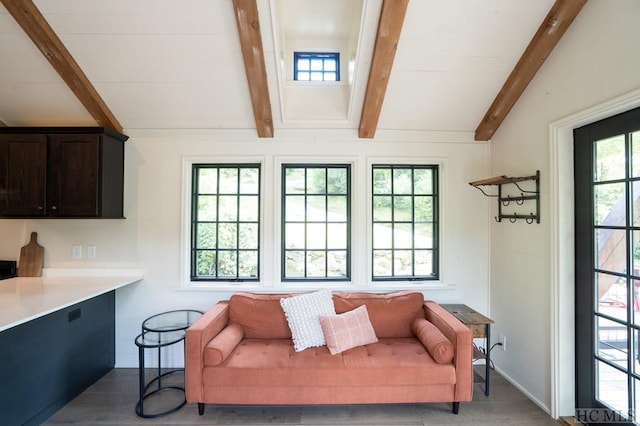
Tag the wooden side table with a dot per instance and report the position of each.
(480, 327)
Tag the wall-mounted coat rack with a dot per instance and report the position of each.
(506, 199)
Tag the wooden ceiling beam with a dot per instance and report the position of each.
(38, 29)
(248, 22)
(389, 29)
(558, 20)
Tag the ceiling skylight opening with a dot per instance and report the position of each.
(316, 66)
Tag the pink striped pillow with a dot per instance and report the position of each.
(348, 330)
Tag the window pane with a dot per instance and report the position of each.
(611, 387)
(295, 179)
(294, 206)
(382, 181)
(337, 236)
(248, 238)
(249, 181)
(330, 76)
(304, 76)
(402, 236)
(206, 263)
(337, 261)
(249, 208)
(423, 183)
(316, 64)
(611, 250)
(381, 208)
(316, 264)
(248, 264)
(207, 181)
(611, 341)
(207, 208)
(294, 261)
(316, 237)
(316, 76)
(316, 208)
(228, 181)
(610, 159)
(402, 208)
(227, 235)
(610, 207)
(316, 181)
(382, 263)
(423, 209)
(228, 207)
(423, 235)
(402, 262)
(382, 236)
(423, 262)
(336, 181)
(294, 235)
(206, 235)
(329, 65)
(303, 64)
(227, 266)
(337, 209)
(402, 181)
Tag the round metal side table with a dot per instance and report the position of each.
(159, 331)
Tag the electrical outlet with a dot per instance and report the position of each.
(76, 252)
(91, 252)
(503, 341)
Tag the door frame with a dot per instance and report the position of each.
(562, 261)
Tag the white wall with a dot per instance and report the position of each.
(150, 237)
(597, 60)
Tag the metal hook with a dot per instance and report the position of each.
(520, 201)
(530, 219)
(513, 219)
(497, 220)
(507, 201)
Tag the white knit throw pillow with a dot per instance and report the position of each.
(303, 315)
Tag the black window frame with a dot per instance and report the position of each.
(196, 167)
(333, 56)
(435, 274)
(283, 223)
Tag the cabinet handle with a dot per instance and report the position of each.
(40, 208)
(54, 208)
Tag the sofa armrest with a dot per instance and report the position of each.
(460, 335)
(196, 338)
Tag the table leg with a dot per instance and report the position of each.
(487, 367)
(140, 407)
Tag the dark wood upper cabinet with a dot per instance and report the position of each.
(61, 172)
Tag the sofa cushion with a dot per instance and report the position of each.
(391, 314)
(219, 348)
(348, 330)
(440, 348)
(259, 315)
(274, 362)
(303, 316)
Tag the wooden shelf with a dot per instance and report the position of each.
(520, 200)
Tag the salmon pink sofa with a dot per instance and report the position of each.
(241, 352)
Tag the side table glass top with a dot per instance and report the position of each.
(171, 320)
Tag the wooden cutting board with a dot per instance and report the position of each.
(31, 258)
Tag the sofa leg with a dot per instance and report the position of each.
(200, 408)
(456, 407)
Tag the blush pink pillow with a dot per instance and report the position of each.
(347, 330)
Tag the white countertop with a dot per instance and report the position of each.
(25, 299)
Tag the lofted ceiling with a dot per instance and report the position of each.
(167, 64)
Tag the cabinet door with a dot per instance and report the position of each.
(74, 175)
(23, 170)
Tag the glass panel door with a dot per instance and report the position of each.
(607, 215)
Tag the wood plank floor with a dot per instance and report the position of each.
(111, 401)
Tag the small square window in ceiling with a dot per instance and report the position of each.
(316, 66)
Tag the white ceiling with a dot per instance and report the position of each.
(167, 64)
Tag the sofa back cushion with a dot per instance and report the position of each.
(260, 315)
(391, 314)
